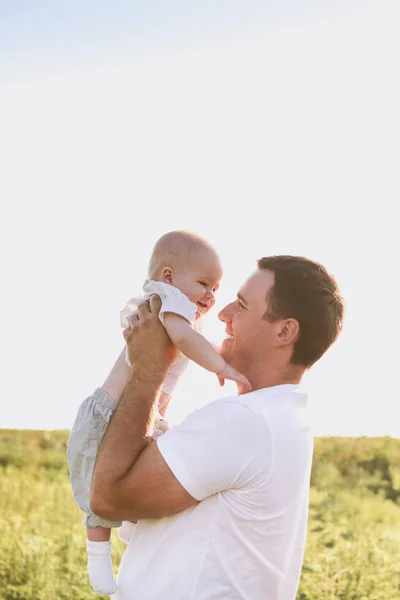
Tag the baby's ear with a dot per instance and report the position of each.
(166, 275)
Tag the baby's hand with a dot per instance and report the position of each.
(230, 373)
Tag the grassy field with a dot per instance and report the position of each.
(353, 545)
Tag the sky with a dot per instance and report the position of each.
(267, 128)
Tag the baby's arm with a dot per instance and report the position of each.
(197, 348)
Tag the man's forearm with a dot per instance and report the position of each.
(127, 434)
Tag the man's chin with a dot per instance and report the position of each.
(226, 352)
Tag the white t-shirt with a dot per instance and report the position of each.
(172, 300)
(248, 460)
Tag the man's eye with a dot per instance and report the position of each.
(240, 304)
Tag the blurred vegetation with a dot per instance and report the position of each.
(353, 544)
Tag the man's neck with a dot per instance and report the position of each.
(262, 376)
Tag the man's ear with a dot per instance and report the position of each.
(288, 332)
(166, 275)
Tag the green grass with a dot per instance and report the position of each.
(353, 544)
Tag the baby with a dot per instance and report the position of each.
(185, 272)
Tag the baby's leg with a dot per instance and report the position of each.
(98, 534)
(100, 568)
(116, 381)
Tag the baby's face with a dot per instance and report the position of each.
(199, 280)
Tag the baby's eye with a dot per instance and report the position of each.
(202, 283)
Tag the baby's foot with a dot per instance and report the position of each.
(100, 569)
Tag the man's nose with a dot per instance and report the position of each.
(223, 315)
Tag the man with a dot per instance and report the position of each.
(222, 499)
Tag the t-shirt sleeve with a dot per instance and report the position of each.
(172, 300)
(175, 302)
(222, 446)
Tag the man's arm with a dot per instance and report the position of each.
(131, 479)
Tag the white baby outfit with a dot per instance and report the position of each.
(172, 300)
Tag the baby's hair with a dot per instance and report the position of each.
(175, 248)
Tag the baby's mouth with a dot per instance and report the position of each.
(203, 307)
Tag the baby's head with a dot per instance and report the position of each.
(189, 263)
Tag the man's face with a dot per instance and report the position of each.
(249, 336)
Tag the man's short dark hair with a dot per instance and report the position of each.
(305, 291)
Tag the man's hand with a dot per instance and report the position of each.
(150, 350)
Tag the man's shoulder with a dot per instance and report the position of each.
(261, 405)
(228, 412)
(288, 391)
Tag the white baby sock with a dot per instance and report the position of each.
(100, 567)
